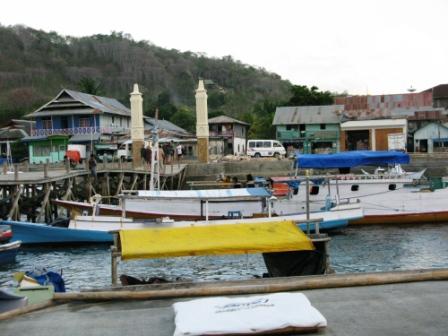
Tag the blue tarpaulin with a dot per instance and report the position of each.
(351, 159)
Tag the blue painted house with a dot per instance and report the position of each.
(78, 118)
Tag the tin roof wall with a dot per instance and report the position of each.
(403, 105)
(73, 102)
(226, 120)
(293, 115)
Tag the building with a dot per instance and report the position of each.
(419, 108)
(227, 136)
(310, 129)
(382, 134)
(75, 117)
(432, 137)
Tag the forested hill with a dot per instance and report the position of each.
(35, 65)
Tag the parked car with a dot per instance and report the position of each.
(265, 148)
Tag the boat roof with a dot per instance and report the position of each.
(207, 194)
(351, 159)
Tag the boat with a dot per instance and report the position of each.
(385, 198)
(8, 252)
(96, 229)
(40, 233)
(180, 204)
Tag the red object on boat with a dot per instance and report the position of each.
(5, 233)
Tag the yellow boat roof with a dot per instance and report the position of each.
(260, 237)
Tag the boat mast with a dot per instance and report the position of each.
(154, 184)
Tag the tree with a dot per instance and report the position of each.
(302, 96)
(90, 86)
(263, 115)
(184, 118)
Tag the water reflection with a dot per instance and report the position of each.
(358, 249)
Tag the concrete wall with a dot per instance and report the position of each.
(261, 167)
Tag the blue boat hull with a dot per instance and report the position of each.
(326, 225)
(8, 254)
(35, 233)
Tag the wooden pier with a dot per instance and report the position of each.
(28, 190)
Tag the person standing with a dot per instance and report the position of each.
(92, 166)
(179, 152)
(148, 153)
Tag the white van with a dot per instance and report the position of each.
(259, 148)
(124, 151)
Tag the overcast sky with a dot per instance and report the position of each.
(359, 46)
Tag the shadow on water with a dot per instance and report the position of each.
(354, 249)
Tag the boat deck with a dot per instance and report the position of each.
(398, 309)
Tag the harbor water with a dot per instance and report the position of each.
(354, 249)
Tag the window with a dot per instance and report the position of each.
(322, 126)
(84, 122)
(314, 190)
(46, 123)
(276, 144)
(39, 150)
(355, 187)
(259, 144)
(291, 127)
(266, 144)
(302, 127)
(113, 120)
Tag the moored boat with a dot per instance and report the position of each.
(95, 229)
(8, 252)
(385, 198)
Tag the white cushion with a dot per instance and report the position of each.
(246, 315)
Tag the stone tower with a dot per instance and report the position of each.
(202, 122)
(137, 128)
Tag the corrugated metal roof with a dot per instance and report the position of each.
(84, 138)
(97, 104)
(165, 125)
(225, 120)
(294, 115)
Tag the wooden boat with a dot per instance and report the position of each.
(8, 252)
(95, 229)
(182, 204)
(385, 198)
(38, 233)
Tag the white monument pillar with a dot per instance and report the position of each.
(202, 122)
(137, 128)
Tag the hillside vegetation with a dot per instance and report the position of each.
(35, 65)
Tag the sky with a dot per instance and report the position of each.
(358, 46)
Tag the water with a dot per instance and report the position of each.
(357, 249)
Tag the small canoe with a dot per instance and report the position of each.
(8, 252)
